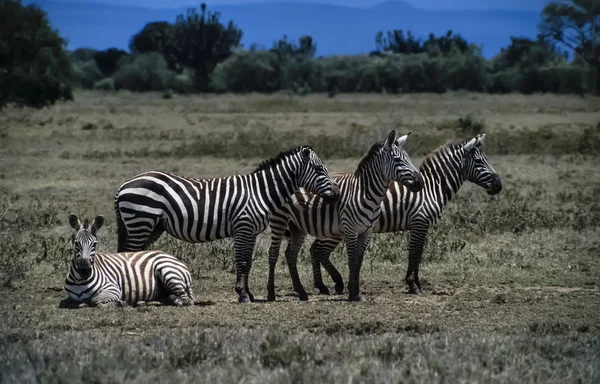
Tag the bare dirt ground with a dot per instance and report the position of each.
(511, 282)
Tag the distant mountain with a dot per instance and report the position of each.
(336, 29)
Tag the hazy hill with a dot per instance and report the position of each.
(336, 29)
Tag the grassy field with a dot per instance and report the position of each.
(511, 282)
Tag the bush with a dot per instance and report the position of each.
(246, 71)
(86, 74)
(106, 84)
(145, 72)
(183, 82)
(83, 54)
(34, 67)
(108, 61)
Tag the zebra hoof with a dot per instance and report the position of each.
(414, 291)
(186, 301)
(323, 291)
(303, 296)
(243, 299)
(271, 297)
(339, 289)
(357, 298)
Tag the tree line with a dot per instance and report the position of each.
(201, 53)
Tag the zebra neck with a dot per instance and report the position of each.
(443, 177)
(274, 187)
(374, 187)
(79, 276)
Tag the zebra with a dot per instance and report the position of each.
(121, 279)
(351, 218)
(203, 210)
(444, 171)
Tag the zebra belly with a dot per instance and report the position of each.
(321, 221)
(131, 292)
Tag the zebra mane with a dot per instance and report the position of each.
(275, 160)
(448, 147)
(368, 158)
(86, 224)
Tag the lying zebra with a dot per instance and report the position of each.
(133, 278)
(444, 171)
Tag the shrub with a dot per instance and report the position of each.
(183, 82)
(34, 67)
(108, 61)
(86, 74)
(470, 126)
(246, 71)
(145, 72)
(106, 84)
(83, 54)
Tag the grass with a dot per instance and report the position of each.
(511, 282)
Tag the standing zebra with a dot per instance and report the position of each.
(102, 279)
(351, 218)
(444, 172)
(196, 210)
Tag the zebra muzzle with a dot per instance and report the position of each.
(417, 183)
(495, 186)
(331, 196)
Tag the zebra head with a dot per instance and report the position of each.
(477, 169)
(315, 177)
(85, 242)
(402, 170)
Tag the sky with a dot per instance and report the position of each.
(99, 24)
(426, 4)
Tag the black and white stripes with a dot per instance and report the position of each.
(196, 210)
(351, 218)
(444, 171)
(100, 279)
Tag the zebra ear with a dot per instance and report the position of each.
(74, 222)
(97, 224)
(306, 153)
(470, 145)
(480, 139)
(402, 140)
(390, 139)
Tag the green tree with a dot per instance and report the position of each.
(201, 41)
(576, 24)
(34, 67)
(395, 41)
(157, 37)
(288, 48)
(108, 60)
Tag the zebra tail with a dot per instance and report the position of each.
(121, 230)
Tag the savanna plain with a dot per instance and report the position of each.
(511, 282)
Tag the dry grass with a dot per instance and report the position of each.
(511, 282)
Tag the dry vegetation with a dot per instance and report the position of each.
(511, 282)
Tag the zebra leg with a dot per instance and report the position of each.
(177, 287)
(277, 234)
(155, 235)
(316, 268)
(320, 251)
(108, 297)
(291, 256)
(356, 249)
(415, 252)
(70, 303)
(244, 246)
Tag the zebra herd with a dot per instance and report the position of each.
(295, 195)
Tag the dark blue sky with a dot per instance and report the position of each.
(337, 26)
(426, 4)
